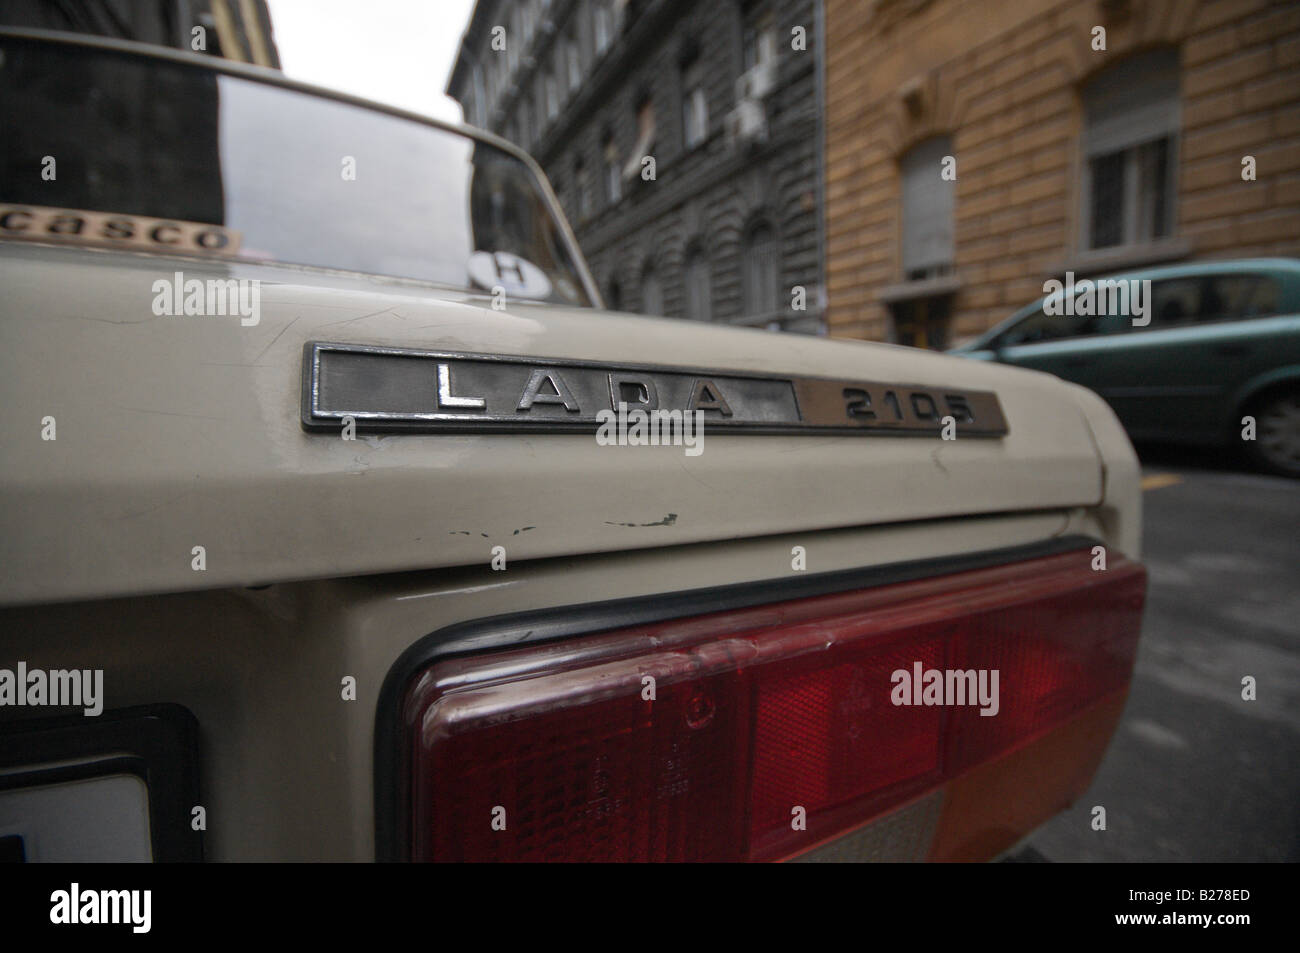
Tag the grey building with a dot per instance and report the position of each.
(684, 140)
(236, 29)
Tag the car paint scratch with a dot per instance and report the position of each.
(668, 520)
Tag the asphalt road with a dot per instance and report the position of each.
(1194, 772)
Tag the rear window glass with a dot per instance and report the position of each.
(297, 178)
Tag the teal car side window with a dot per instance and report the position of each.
(1175, 303)
(1038, 326)
(1235, 297)
(1212, 299)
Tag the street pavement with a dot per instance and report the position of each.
(1195, 773)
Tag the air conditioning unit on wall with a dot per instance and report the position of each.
(756, 82)
(747, 123)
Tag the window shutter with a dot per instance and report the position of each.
(1133, 102)
(927, 207)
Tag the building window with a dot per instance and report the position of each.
(539, 100)
(503, 74)
(493, 82)
(652, 291)
(525, 125)
(927, 211)
(477, 111)
(613, 171)
(514, 37)
(759, 37)
(526, 22)
(552, 96)
(927, 252)
(699, 286)
(645, 138)
(574, 63)
(581, 187)
(1130, 139)
(603, 26)
(762, 272)
(695, 106)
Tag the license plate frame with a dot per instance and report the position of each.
(158, 744)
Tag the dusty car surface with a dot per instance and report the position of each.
(322, 482)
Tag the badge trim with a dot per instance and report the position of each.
(765, 403)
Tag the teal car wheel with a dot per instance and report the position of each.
(1276, 446)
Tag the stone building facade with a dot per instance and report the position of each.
(235, 29)
(683, 139)
(1067, 156)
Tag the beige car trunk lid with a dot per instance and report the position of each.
(180, 432)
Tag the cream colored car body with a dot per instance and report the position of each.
(327, 558)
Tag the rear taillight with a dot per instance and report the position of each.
(760, 733)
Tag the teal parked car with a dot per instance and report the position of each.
(1213, 342)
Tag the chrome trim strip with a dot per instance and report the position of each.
(396, 395)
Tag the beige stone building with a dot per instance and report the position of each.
(1066, 156)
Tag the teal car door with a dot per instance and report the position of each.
(1070, 346)
(1209, 334)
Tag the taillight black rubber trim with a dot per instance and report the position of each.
(544, 625)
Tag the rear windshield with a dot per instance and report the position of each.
(285, 176)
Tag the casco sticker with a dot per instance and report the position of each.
(113, 230)
(518, 276)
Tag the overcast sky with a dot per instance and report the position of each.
(394, 51)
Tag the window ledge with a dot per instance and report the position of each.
(1122, 257)
(929, 287)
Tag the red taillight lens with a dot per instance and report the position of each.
(770, 729)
